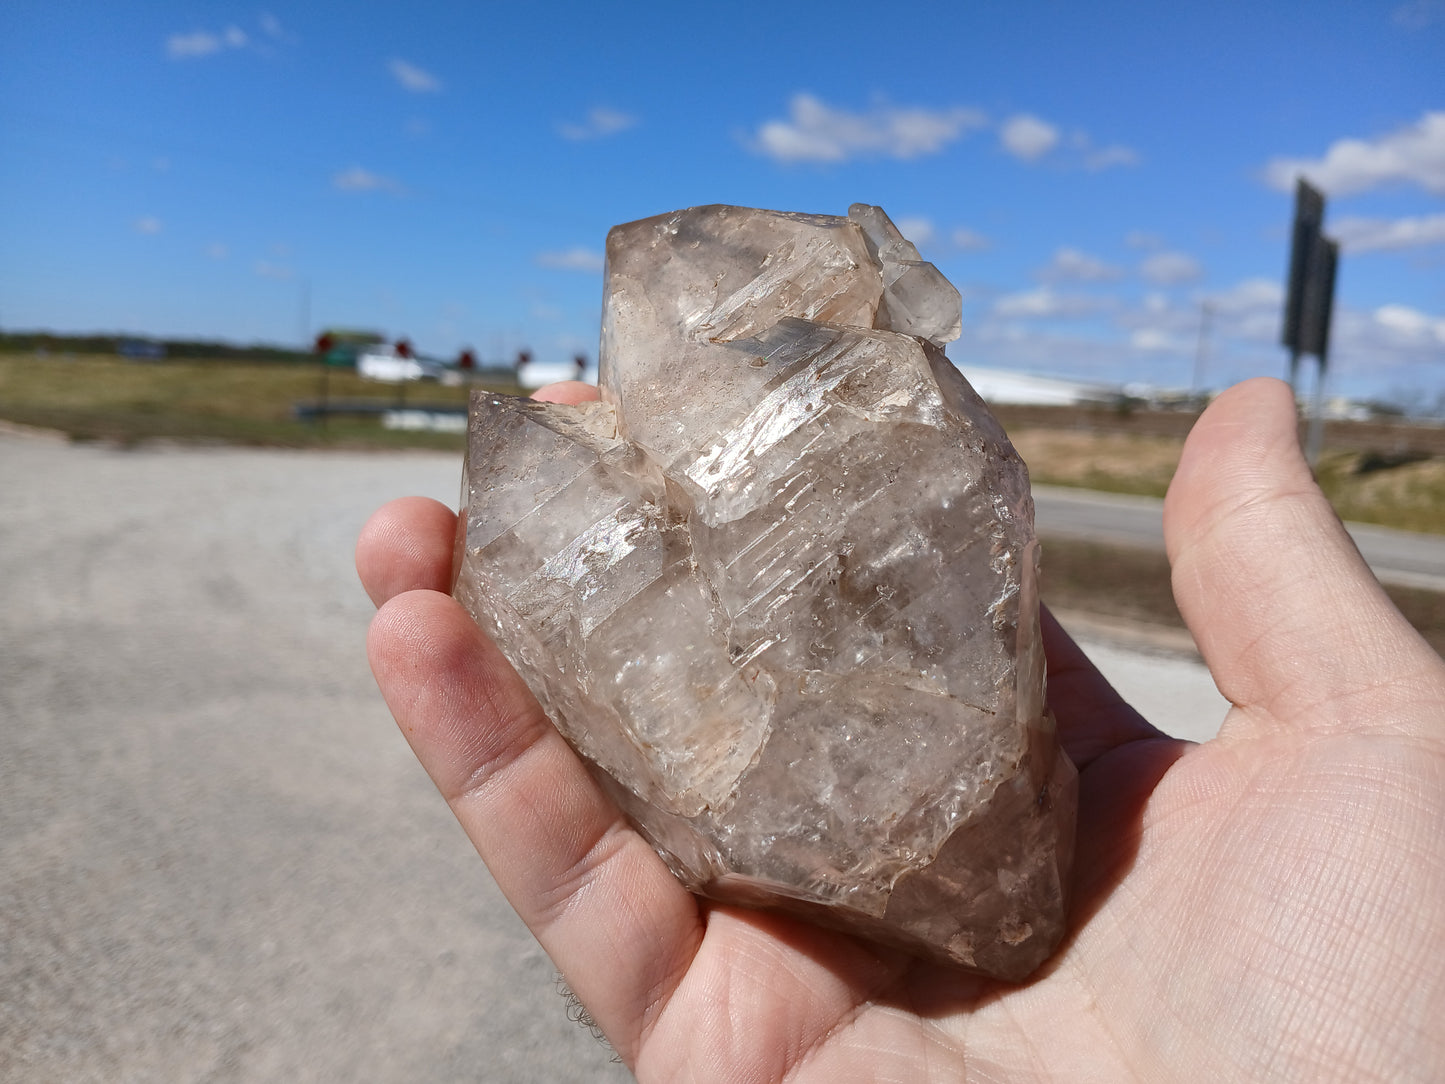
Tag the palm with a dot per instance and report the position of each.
(1270, 904)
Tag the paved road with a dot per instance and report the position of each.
(1401, 558)
(218, 860)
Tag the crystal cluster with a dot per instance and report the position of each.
(778, 586)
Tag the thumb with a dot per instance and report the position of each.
(1284, 609)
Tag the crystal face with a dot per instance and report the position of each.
(779, 587)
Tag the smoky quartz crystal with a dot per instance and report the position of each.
(779, 586)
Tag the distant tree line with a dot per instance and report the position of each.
(30, 342)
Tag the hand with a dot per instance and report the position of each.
(1267, 905)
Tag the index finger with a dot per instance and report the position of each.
(405, 546)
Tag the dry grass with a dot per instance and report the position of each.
(94, 397)
(1372, 488)
(1366, 486)
(107, 398)
(1115, 462)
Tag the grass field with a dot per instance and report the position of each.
(1365, 485)
(93, 397)
(108, 398)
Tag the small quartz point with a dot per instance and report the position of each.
(779, 587)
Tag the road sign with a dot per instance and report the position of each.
(1319, 300)
(1309, 216)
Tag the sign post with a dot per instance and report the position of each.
(1309, 300)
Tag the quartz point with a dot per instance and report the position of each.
(779, 586)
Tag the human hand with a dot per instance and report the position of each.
(1267, 905)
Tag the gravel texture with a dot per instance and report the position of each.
(218, 859)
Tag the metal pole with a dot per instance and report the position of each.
(1315, 442)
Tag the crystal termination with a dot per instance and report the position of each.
(779, 586)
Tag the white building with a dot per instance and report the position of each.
(1025, 389)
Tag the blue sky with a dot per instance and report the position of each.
(1089, 175)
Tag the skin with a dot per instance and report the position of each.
(1269, 905)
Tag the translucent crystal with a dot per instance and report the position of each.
(779, 586)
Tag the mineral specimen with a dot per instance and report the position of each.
(778, 587)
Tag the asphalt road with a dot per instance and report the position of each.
(218, 859)
(1401, 558)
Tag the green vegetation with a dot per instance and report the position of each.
(46, 343)
(94, 397)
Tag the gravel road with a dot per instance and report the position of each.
(218, 860)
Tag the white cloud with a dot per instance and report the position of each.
(195, 44)
(148, 224)
(414, 79)
(1036, 138)
(1414, 154)
(1027, 137)
(1250, 295)
(602, 121)
(969, 240)
(1071, 264)
(273, 32)
(1143, 239)
(1250, 310)
(1094, 158)
(1170, 268)
(217, 251)
(1410, 326)
(1157, 318)
(573, 259)
(1045, 303)
(817, 132)
(918, 230)
(1155, 340)
(357, 179)
(1115, 154)
(199, 43)
(1365, 234)
(269, 270)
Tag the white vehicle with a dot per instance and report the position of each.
(384, 364)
